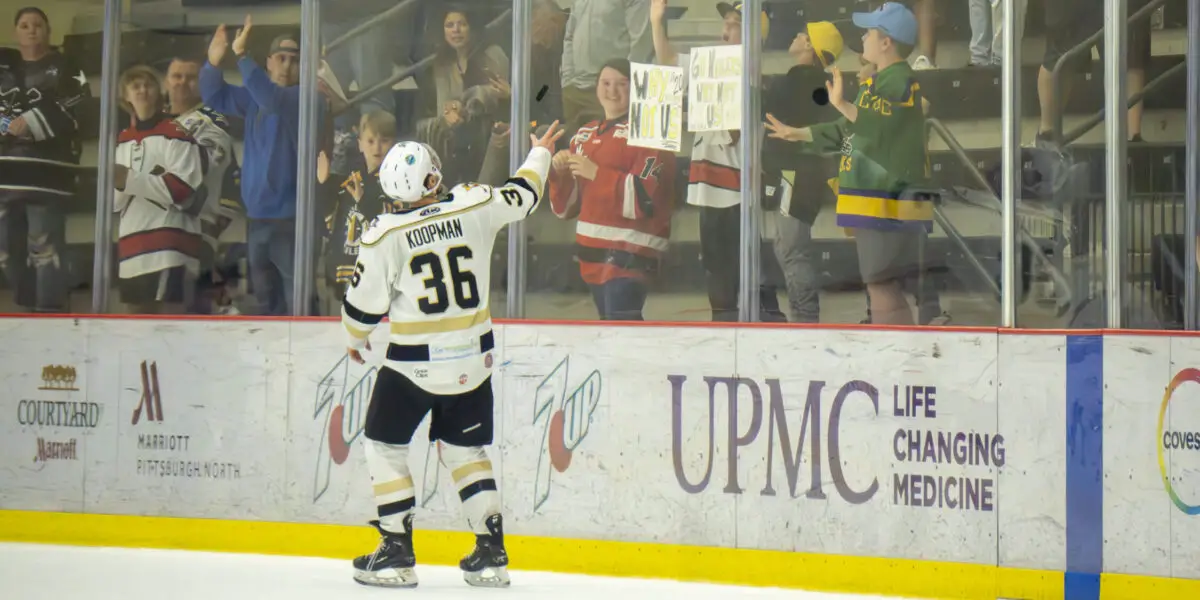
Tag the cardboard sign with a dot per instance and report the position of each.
(656, 107)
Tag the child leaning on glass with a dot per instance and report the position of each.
(350, 205)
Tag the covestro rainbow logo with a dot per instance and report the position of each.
(1177, 441)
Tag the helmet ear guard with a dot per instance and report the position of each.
(433, 187)
(437, 168)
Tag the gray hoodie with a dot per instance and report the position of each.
(601, 30)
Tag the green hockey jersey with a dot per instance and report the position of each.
(883, 165)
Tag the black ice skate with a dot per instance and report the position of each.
(391, 565)
(487, 566)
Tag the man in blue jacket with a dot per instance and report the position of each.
(270, 104)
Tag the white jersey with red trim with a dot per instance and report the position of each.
(624, 211)
(715, 173)
(159, 205)
(428, 269)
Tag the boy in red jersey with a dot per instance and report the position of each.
(622, 196)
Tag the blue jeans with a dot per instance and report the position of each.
(271, 253)
(367, 59)
(620, 299)
(33, 266)
(720, 236)
(794, 250)
(987, 35)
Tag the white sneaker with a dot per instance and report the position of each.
(228, 311)
(923, 63)
(940, 321)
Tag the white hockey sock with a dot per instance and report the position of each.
(393, 484)
(472, 473)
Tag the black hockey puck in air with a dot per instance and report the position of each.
(542, 92)
(821, 96)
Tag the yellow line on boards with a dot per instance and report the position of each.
(1115, 586)
(862, 575)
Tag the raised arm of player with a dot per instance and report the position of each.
(369, 296)
(520, 195)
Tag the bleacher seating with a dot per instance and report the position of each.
(967, 99)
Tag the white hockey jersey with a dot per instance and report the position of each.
(209, 128)
(429, 271)
(159, 207)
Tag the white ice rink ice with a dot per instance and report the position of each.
(44, 572)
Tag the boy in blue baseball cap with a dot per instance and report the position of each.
(881, 138)
(893, 20)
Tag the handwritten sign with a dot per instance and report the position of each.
(715, 89)
(656, 107)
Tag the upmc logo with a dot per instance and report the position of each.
(776, 413)
(345, 401)
(1178, 441)
(151, 400)
(562, 429)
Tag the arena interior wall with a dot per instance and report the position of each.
(973, 463)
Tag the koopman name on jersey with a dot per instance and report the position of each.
(434, 232)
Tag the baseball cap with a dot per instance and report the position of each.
(894, 19)
(725, 8)
(285, 43)
(826, 40)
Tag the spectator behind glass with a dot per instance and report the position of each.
(365, 58)
(926, 14)
(464, 58)
(221, 206)
(623, 197)
(1068, 24)
(40, 94)
(597, 31)
(801, 180)
(354, 202)
(549, 27)
(714, 182)
(461, 137)
(987, 30)
(881, 138)
(270, 105)
(158, 176)
(924, 290)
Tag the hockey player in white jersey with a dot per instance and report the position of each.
(427, 268)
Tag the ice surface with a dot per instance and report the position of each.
(44, 572)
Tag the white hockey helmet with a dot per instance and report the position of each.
(407, 169)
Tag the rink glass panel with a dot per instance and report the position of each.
(58, 201)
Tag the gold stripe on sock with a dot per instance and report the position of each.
(476, 467)
(391, 487)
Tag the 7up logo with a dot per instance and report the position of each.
(565, 415)
(341, 405)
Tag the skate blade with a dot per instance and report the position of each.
(492, 577)
(392, 578)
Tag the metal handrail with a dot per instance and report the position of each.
(1056, 74)
(370, 24)
(419, 66)
(1098, 117)
(952, 143)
